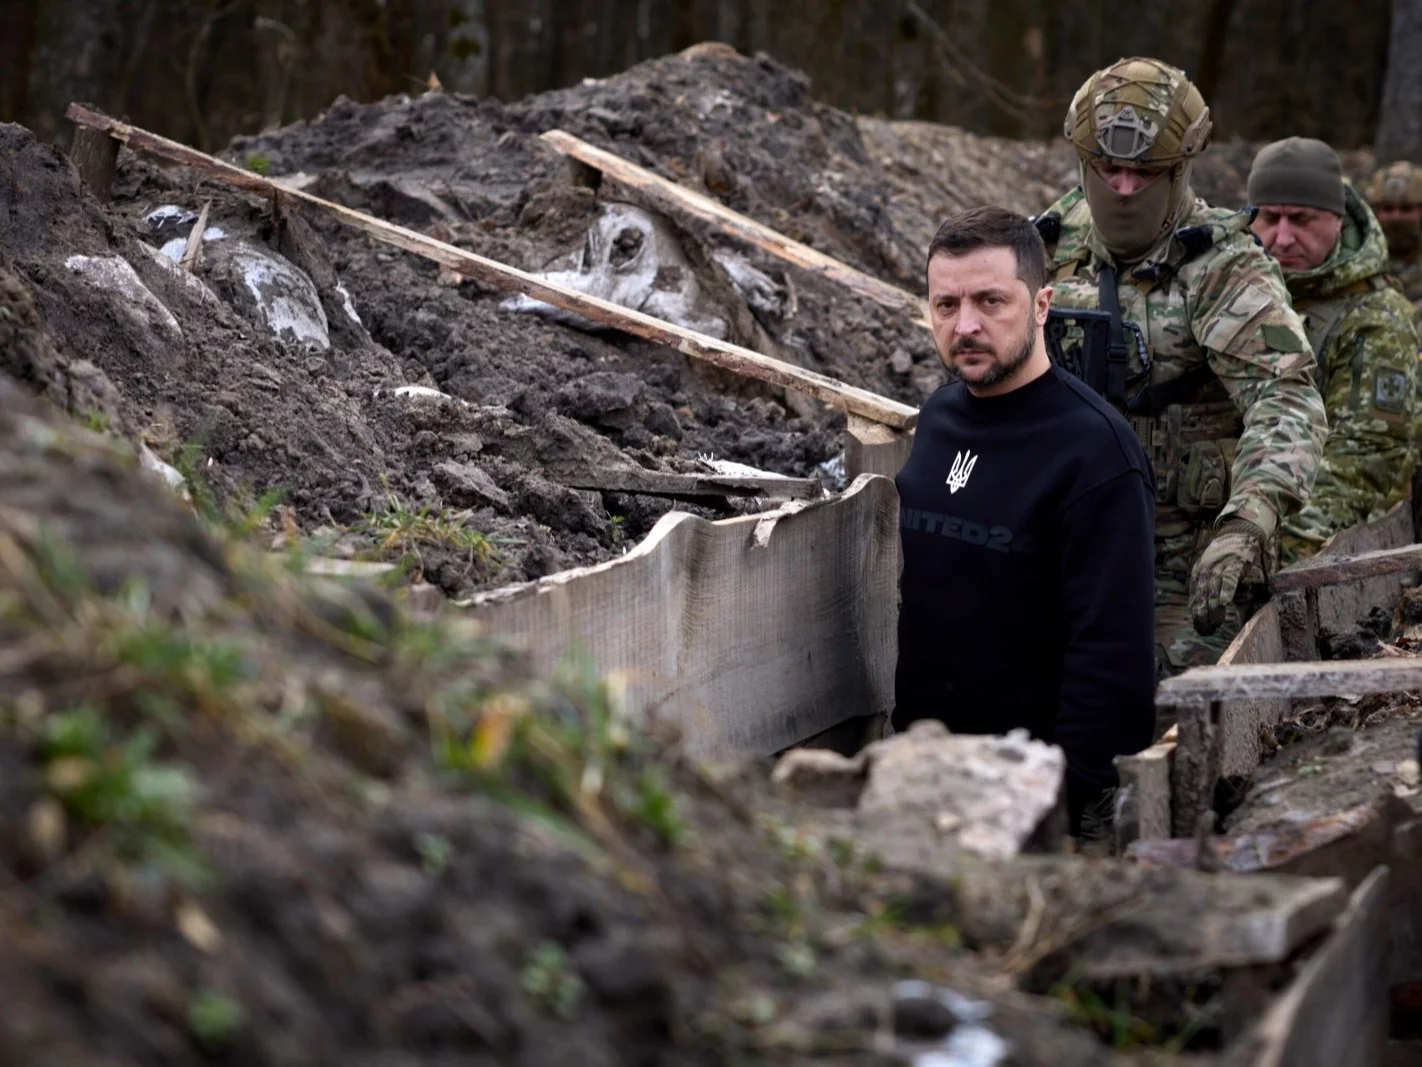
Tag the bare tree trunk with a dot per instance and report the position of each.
(1400, 123)
(1212, 49)
(17, 46)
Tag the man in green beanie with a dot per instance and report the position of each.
(1212, 368)
(1359, 325)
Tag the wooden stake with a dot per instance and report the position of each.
(698, 346)
(678, 198)
(94, 156)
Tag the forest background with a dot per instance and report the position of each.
(201, 71)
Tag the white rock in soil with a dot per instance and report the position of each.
(189, 281)
(631, 257)
(114, 274)
(287, 302)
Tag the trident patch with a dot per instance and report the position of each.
(962, 467)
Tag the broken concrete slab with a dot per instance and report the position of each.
(991, 795)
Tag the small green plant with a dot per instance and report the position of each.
(96, 421)
(259, 163)
(546, 978)
(214, 1019)
(797, 958)
(435, 851)
(141, 807)
(402, 531)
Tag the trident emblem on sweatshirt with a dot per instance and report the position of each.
(962, 467)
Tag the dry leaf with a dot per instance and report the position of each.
(197, 929)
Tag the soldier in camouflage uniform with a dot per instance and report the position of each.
(1359, 326)
(1222, 392)
(1395, 194)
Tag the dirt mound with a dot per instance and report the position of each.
(254, 820)
(286, 358)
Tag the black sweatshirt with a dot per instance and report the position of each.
(1027, 523)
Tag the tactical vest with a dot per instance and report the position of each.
(1190, 435)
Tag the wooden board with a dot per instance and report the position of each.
(1255, 681)
(1335, 1013)
(1146, 776)
(730, 357)
(1259, 641)
(751, 634)
(668, 483)
(673, 197)
(1341, 606)
(1334, 570)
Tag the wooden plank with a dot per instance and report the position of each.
(1319, 679)
(671, 196)
(670, 483)
(1145, 783)
(751, 634)
(1341, 607)
(730, 357)
(1335, 1013)
(873, 448)
(1260, 641)
(1331, 570)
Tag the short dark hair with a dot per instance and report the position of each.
(995, 227)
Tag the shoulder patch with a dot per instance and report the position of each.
(1281, 338)
(1390, 389)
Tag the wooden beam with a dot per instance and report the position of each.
(1334, 570)
(670, 483)
(668, 194)
(873, 448)
(1255, 681)
(730, 357)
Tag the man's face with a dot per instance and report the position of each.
(985, 323)
(1398, 212)
(1125, 180)
(1300, 238)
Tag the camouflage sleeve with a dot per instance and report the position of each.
(1370, 389)
(1258, 349)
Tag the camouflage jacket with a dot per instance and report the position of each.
(1247, 441)
(1361, 330)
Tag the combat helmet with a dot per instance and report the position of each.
(1139, 113)
(1144, 115)
(1396, 185)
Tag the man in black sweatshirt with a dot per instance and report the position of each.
(1026, 512)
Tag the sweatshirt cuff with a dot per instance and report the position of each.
(1254, 510)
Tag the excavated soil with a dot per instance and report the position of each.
(537, 403)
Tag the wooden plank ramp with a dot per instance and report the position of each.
(679, 199)
(729, 357)
(751, 634)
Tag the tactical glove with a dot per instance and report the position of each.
(1238, 545)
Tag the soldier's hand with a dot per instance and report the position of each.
(1238, 545)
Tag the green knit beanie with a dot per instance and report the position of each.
(1297, 172)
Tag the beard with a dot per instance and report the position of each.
(999, 370)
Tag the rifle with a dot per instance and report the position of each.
(1096, 357)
